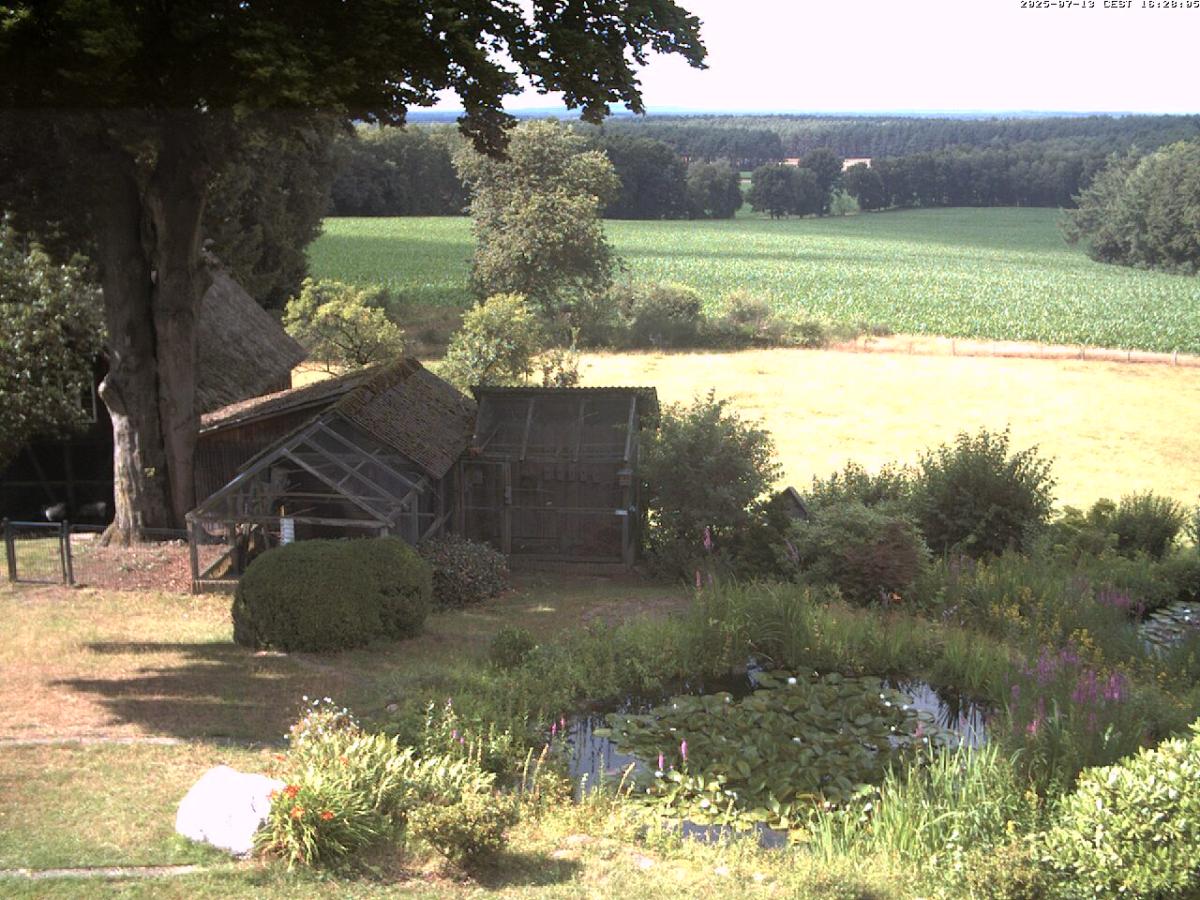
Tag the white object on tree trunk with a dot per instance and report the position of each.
(225, 808)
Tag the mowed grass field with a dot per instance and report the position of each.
(987, 273)
(1111, 428)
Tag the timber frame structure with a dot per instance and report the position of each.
(551, 475)
(381, 460)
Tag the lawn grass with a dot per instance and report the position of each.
(988, 273)
(1112, 428)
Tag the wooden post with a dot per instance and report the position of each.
(64, 550)
(10, 551)
(193, 555)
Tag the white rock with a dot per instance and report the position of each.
(225, 808)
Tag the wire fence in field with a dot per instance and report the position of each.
(61, 553)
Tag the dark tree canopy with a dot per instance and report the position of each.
(116, 118)
(714, 190)
(1144, 212)
(653, 180)
(783, 190)
(398, 172)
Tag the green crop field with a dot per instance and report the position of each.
(987, 273)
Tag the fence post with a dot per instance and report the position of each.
(10, 551)
(65, 551)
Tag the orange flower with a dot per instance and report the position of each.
(345, 762)
(272, 795)
(326, 816)
(291, 791)
(297, 812)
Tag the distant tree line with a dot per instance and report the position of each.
(1028, 174)
(410, 172)
(753, 140)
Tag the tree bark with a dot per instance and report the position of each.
(130, 389)
(153, 280)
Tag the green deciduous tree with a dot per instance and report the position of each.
(704, 467)
(1144, 212)
(653, 180)
(343, 326)
(498, 344)
(398, 172)
(827, 167)
(116, 118)
(714, 190)
(784, 190)
(51, 331)
(537, 218)
(865, 185)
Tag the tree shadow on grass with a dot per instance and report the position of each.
(206, 690)
(511, 868)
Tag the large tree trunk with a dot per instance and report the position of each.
(153, 280)
(130, 389)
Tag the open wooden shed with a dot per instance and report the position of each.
(552, 473)
(380, 460)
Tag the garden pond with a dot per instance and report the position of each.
(758, 750)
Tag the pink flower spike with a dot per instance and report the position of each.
(708, 541)
(661, 762)
(683, 750)
(698, 579)
(553, 729)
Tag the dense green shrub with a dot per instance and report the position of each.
(705, 469)
(467, 827)
(890, 486)
(867, 552)
(976, 497)
(1074, 534)
(510, 646)
(661, 315)
(346, 789)
(1146, 523)
(496, 345)
(331, 595)
(464, 571)
(1133, 829)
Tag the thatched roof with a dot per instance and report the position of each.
(407, 407)
(241, 349)
(317, 396)
(402, 405)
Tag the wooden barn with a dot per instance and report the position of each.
(551, 474)
(371, 453)
(242, 352)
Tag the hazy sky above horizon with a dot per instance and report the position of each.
(932, 55)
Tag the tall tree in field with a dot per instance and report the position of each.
(827, 167)
(537, 219)
(116, 116)
(714, 190)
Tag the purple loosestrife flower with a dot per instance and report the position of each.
(661, 761)
(1114, 690)
(708, 540)
(683, 749)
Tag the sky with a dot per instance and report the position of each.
(930, 55)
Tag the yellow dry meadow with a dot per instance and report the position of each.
(1111, 427)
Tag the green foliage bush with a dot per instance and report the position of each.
(1074, 534)
(324, 595)
(661, 315)
(510, 646)
(343, 325)
(704, 468)
(496, 345)
(1133, 829)
(347, 789)
(466, 827)
(977, 497)
(464, 571)
(1146, 523)
(890, 486)
(867, 552)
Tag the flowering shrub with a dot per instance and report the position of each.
(346, 789)
(464, 571)
(1069, 712)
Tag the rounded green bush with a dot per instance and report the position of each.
(332, 595)
(1133, 829)
(511, 646)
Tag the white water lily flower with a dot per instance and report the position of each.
(791, 679)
